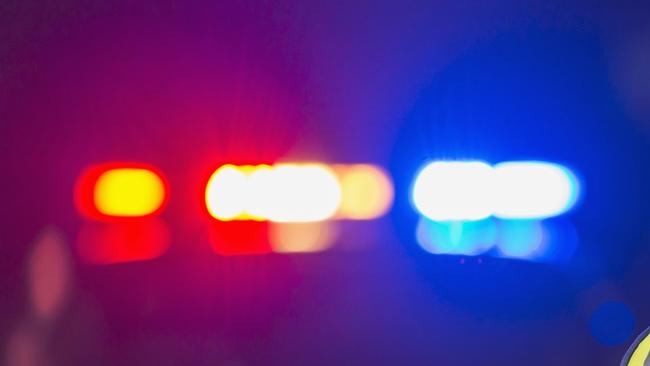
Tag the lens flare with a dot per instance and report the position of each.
(367, 191)
(612, 323)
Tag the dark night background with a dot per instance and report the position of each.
(186, 85)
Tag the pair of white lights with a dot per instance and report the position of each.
(474, 190)
(280, 193)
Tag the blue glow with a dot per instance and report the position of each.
(533, 190)
(456, 237)
(560, 242)
(520, 239)
(452, 191)
(612, 323)
(473, 190)
(549, 241)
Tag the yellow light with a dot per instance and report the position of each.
(128, 192)
(639, 351)
(367, 191)
(304, 237)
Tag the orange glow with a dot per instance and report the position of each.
(367, 191)
(49, 274)
(302, 237)
(120, 190)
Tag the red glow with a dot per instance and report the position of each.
(119, 242)
(85, 185)
(239, 237)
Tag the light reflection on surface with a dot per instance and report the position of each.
(456, 237)
(520, 239)
(548, 241)
(302, 237)
(239, 237)
(119, 242)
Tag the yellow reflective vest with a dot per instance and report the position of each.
(637, 354)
